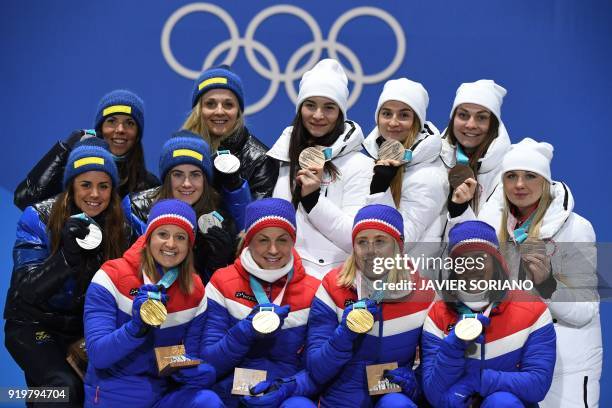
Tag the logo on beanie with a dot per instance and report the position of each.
(88, 160)
(272, 69)
(187, 153)
(117, 109)
(212, 81)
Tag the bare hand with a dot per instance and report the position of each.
(309, 179)
(539, 267)
(465, 192)
(389, 162)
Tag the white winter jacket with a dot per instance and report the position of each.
(489, 172)
(424, 187)
(324, 236)
(574, 305)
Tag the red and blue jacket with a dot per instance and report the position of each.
(230, 299)
(517, 356)
(393, 338)
(122, 368)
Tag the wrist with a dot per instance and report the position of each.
(309, 201)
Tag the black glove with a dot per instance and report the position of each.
(229, 181)
(73, 228)
(217, 248)
(383, 175)
(78, 135)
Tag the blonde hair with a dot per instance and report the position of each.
(536, 224)
(398, 179)
(195, 123)
(346, 277)
(186, 269)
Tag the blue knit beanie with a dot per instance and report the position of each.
(121, 101)
(185, 148)
(221, 77)
(269, 212)
(91, 154)
(474, 236)
(172, 212)
(380, 217)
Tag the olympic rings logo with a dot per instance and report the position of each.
(291, 72)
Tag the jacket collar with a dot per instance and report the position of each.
(235, 142)
(298, 270)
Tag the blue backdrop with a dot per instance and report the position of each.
(554, 57)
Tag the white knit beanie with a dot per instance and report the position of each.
(409, 92)
(484, 92)
(529, 155)
(327, 79)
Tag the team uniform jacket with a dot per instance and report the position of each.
(324, 241)
(122, 368)
(230, 299)
(518, 354)
(393, 338)
(424, 186)
(489, 172)
(575, 303)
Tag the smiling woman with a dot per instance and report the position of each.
(57, 253)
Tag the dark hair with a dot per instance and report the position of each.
(481, 150)
(208, 201)
(301, 139)
(132, 170)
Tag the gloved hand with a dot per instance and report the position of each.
(275, 392)
(485, 321)
(149, 287)
(136, 327)
(73, 228)
(229, 181)
(453, 347)
(343, 329)
(200, 376)
(405, 378)
(218, 248)
(459, 395)
(281, 311)
(78, 135)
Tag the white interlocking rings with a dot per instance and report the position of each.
(292, 72)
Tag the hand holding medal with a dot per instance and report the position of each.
(93, 239)
(312, 161)
(394, 151)
(153, 311)
(359, 317)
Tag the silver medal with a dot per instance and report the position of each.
(468, 329)
(92, 240)
(227, 163)
(207, 221)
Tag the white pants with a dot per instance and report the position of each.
(572, 390)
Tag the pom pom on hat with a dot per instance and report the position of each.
(409, 92)
(185, 148)
(529, 155)
(172, 212)
(221, 77)
(91, 154)
(327, 79)
(484, 92)
(269, 212)
(380, 217)
(120, 101)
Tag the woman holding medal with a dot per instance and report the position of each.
(61, 243)
(545, 242)
(322, 171)
(258, 309)
(120, 121)
(409, 174)
(356, 323)
(217, 116)
(147, 299)
(483, 344)
(186, 171)
(475, 140)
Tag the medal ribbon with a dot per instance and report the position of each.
(377, 296)
(260, 294)
(520, 233)
(461, 156)
(166, 281)
(474, 315)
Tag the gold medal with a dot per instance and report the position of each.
(266, 321)
(360, 321)
(311, 157)
(468, 329)
(391, 150)
(153, 312)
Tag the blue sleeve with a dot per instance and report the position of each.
(106, 344)
(440, 369)
(532, 382)
(327, 350)
(306, 386)
(235, 203)
(138, 226)
(193, 337)
(225, 344)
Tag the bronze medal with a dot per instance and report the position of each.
(458, 174)
(153, 312)
(468, 329)
(311, 157)
(360, 321)
(391, 150)
(265, 321)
